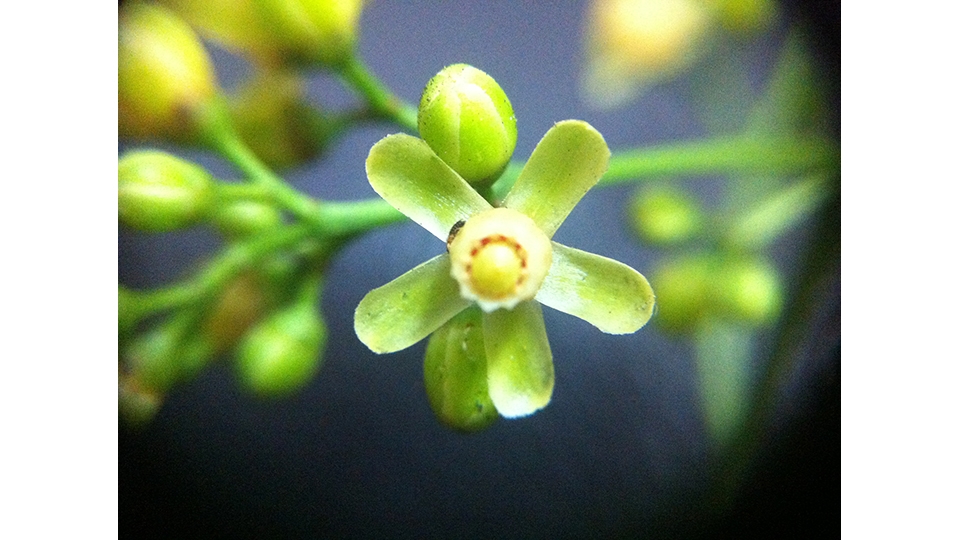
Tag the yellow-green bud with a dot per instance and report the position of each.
(164, 74)
(137, 405)
(272, 116)
(281, 353)
(664, 216)
(468, 121)
(238, 307)
(242, 219)
(500, 258)
(160, 192)
(275, 32)
(748, 290)
(683, 292)
(165, 355)
(455, 374)
(745, 17)
(648, 35)
(633, 44)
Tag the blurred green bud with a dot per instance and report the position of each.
(275, 32)
(665, 216)
(634, 44)
(683, 288)
(281, 353)
(271, 114)
(159, 192)
(455, 374)
(242, 219)
(164, 74)
(165, 355)
(730, 287)
(468, 121)
(137, 405)
(745, 17)
(748, 290)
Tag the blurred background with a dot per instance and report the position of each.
(623, 449)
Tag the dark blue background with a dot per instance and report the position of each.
(621, 449)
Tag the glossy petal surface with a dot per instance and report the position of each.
(607, 294)
(409, 308)
(519, 361)
(566, 163)
(409, 176)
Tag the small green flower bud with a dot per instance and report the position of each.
(683, 292)
(665, 216)
(166, 354)
(164, 74)
(242, 219)
(749, 290)
(273, 117)
(500, 258)
(280, 354)
(159, 192)
(468, 121)
(455, 374)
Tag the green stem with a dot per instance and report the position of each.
(353, 217)
(218, 272)
(781, 155)
(327, 218)
(220, 134)
(229, 192)
(821, 271)
(383, 102)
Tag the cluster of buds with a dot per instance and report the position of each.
(168, 89)
(725, 282)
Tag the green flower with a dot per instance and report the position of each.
(501, 259)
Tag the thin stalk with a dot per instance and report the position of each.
(327, 218)
(383, 102)
(218, 272)
(724, 155)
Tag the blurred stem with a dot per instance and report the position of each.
(228, 192)
(781, 155)
(819, 274)
(327, 218)
(228, 264)
(383, 102)
(758, 226)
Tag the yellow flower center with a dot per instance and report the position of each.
(497, 268)
(499, 257)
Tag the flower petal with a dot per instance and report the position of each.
(519, 361)
(606, 293)
(566, 163)
(409, 176)
(409, 308)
